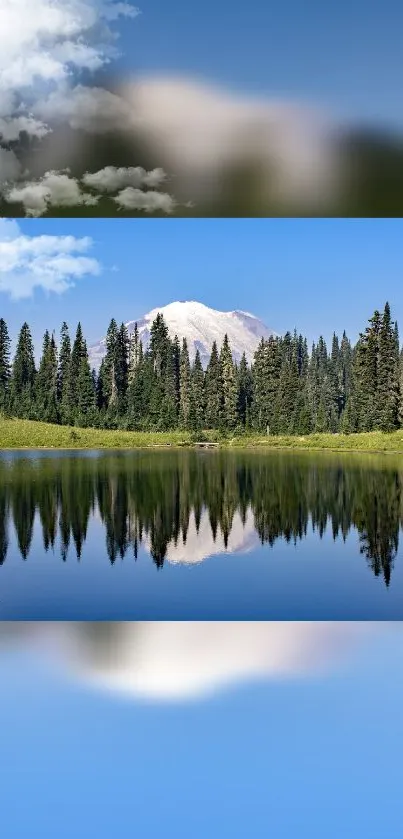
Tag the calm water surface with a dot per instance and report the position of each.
(200, 535)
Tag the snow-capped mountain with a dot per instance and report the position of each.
(201, 326)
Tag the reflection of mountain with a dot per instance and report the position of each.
(200, 544)
(188, 659)
(184, 506)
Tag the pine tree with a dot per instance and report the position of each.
(266, 379)
(365, 375)
(46, 382)
(110, 388)
(72, 396)
(134, 353)
(122, 369)
(5, 367)
(245, 392)
(401, 388)
(185, 388)
(22, 387)
(176, 370)
(229, 387)
(388, 385)
(86, 392)
(197, 395)
(63, 375)
(213, 390)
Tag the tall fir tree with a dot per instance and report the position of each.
(213, 394)
(63, 375)
(5, 367)
(388, 385)
(185, 388)
(46, 382)
(197, 395)
(134, 354)
(229, 388)
(77, 354)
(245, 393)
(22, 388)
(86, 392)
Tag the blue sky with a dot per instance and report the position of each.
(346, 55)
(317, 757)
(315, 275)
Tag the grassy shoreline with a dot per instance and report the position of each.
(26, 434)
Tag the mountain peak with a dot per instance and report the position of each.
(201, 326)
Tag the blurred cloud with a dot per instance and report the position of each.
(184, 660)
(52, 263)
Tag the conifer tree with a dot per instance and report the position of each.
(229, 387)
(134, 353)
(110, 388)
(63, 374)
(388, 385)
(122, 369)
(5, 367)
(213, 393)
(23, 376)
(77, 354)
(176, 370)
(185, 388)
(46, 382)
(197, 395)
(86, 392)
(245, 393)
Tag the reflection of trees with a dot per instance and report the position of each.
(150, 497)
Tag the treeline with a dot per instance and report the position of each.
(152, 503)
(286, 390)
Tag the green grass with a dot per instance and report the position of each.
(22, 434)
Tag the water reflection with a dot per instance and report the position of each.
(185, 506)
(188, 659)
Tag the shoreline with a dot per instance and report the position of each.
(29, 435)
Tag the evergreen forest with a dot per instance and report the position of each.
(288, 389)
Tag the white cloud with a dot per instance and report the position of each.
(59, 189)
(54, 189)
(190, 659)
(52, 263)
(112, 179)
(149, 202)
(43, 42)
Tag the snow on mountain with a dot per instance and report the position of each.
(200, 325)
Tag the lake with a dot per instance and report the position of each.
(203, 535)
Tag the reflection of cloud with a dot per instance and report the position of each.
(200, 545)
(181, 660)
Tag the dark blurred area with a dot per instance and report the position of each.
(222, 155)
